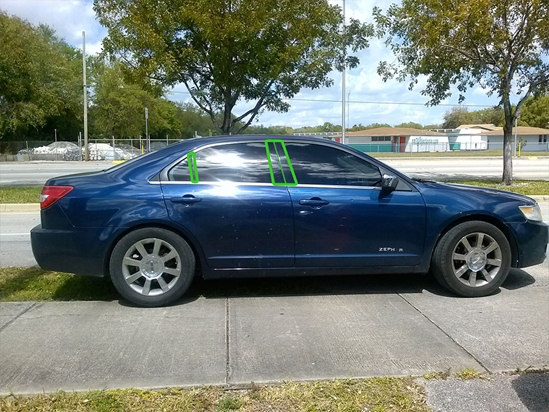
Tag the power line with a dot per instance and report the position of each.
(369, 102)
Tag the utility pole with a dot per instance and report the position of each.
(348, 108)
(343, 76)
(147, 130)
(86, 148)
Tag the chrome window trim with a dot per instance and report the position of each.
(163, 175)
(266, 185)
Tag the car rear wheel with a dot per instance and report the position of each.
(472, 259)
(152, 267)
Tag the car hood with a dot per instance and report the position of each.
(456, 201)
(476, 191)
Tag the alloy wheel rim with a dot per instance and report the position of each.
(151, 267)
(476, 259)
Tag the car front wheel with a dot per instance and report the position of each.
(152, 267)
(472, 259)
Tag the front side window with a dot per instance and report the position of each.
(317, 164)
(234, 162)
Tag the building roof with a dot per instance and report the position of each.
(521, 130)
(485, 126)
(394, 131)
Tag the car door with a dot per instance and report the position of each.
(343, 218)
(224, 196)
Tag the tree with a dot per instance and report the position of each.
(500, 45)
(457, 116)
(118, 108)
(377, 125)
(411, 125)
(270, 130)
(535, 112)
(194, 120)
(490, 115)
(40, 80)
(227, 51)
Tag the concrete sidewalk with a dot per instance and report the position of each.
(360, 327)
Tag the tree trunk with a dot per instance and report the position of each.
(508, 151)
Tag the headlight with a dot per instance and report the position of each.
(531, 212)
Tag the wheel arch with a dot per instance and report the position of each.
(193, 243)
(481, 218)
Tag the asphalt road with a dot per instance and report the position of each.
(15, 248)
(36, 173)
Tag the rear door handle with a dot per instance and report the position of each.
(187, 199)
(314, 202)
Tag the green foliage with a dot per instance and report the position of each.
(280, 130)
(229, 403)
(261, 52)
(20, 194)
(118, 107)
(535, 112)
(411, 125)
(377, 125)
(461, 115)
(40, 81)
(499, 45)
(194, 120)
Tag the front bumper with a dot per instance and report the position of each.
(532, 238)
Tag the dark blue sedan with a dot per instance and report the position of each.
(251, 206)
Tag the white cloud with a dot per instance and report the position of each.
(69, 18)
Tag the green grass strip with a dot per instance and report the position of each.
(374, 394)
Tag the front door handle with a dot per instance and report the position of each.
(187, 199)
(315, 202)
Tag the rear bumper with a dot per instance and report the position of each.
(80, 251)
(532, 239)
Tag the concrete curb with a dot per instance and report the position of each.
(19, 207)
(35, 207)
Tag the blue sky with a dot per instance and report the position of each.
(370, 99)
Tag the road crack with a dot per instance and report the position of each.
(445, 333)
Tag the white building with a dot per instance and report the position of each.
(396, 140)
(485, 136)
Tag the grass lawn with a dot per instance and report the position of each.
(374, 394)
(523, 187)
(20, 194)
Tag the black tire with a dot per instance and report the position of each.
(152, 267)
(472, 259)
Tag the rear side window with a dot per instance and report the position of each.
(234, 162)
(316, 164)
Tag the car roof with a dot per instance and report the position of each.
(251, 137)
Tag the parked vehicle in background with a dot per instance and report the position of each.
(250, 206)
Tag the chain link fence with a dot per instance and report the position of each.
(98, 149)
(124, 149)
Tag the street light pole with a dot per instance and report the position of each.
(86, 148)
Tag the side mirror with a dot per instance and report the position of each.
(389, 183)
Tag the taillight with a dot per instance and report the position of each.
(51, 194)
